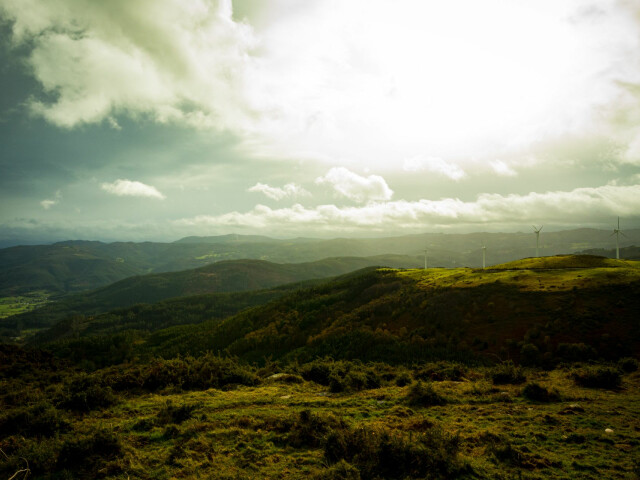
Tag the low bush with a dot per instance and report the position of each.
(89, 452)
(171, 413)
(309, 430)
(379, 454)
(86, 393)
(40, 420)
(537, 393)
(597, 377)
(507, 373)
(340, 471)
(341, 376)
(189, 373)
(403, 379)
(628, 364)
(424, 395)
(439, 371)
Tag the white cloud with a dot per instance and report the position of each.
(128, 188)
(48, 203)
(161, 58)
(502, 169)
(437, 165)
(341, 88)
(577, 207)
(290, 190)
(356, 187)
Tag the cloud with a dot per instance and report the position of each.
(340, 88)
(128, 188)
(502, 169)
(438, 165)
(276, 193)
(576, 207)
(356, 187)
(48, 203)
(158, 58)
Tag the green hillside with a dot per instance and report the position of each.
(538, 316)
(221, 277)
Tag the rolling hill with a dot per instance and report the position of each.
(220, 277)
(537, 311)
(74, 266)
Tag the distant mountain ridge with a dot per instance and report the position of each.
(75, 266)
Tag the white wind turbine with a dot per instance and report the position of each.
(484, 255)
(536, 230)
(617, 232)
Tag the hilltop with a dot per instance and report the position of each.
(538, 315)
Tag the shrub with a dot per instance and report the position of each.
(628, 364)
(538, 393)
(175, 414)
(340, 471)
(336, 384)
(438, 371)
(575, 352)
(378, 454)
(308, 430)
(507, 373)
(89, 452)
(424, 395)
(38, 455)
(403, 379)
(318, 371)
(85, 393)
(597, 377)
(41, 419)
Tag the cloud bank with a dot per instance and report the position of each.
(576, 207)
(356, 187)
(290, 190)
(128, 188)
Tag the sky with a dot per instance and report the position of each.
(158, 119)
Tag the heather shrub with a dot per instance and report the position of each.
(597, 377)
(424, 395)
(507, 373)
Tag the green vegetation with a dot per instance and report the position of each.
(216, 418)
(22, 303)
(221, 277)
(379, 373)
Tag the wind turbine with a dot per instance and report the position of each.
(484, 255)
(425, 259)
(617, 232)
(536, 230)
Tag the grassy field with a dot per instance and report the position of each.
(287, 427)
(562, 272)
(22, 303)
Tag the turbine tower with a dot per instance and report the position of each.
(425, 259)
(484, 256)
(536, 230)
(617, 232)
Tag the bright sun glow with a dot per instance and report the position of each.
(452, 79)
